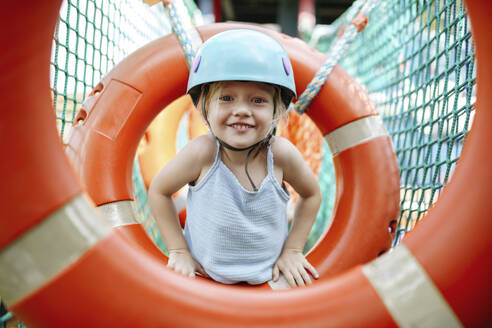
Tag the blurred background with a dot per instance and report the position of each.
(282, 15)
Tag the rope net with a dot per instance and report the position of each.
(90, 38)
(415, 59)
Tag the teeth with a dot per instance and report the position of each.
(241, 126)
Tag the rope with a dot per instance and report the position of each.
(183, 27)
(338, 49)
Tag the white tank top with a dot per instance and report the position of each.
(236, 234)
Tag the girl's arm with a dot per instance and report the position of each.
(185, 167)
(297, 173)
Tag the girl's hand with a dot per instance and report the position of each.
(181, 261)
(293, 265)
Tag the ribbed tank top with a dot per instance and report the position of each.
(236, 234)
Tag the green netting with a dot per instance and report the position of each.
(90, 38)
(415, 59)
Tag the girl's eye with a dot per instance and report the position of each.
(225, 98)
(258, 100)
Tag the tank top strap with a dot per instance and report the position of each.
(270, 160)
(217, 150)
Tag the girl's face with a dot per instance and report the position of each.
(241, 113)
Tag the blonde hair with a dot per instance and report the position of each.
(279, 110)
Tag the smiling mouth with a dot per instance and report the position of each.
(241, 126)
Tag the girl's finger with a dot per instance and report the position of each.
(298, 279)
(311, 269)
(276, 273)
(305, 276)
(290, 279)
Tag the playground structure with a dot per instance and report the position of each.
(447, 274)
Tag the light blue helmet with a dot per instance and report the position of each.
(242, 55)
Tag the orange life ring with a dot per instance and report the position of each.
(99, 278)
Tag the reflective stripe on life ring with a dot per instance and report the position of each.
(120, 213)
(34, 259)
(409, 295)
(355, 133)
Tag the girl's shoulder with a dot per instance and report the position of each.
(203, 149)
(283, 150)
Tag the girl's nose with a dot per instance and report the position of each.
(241, 109)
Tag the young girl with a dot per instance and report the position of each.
(236, 226)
